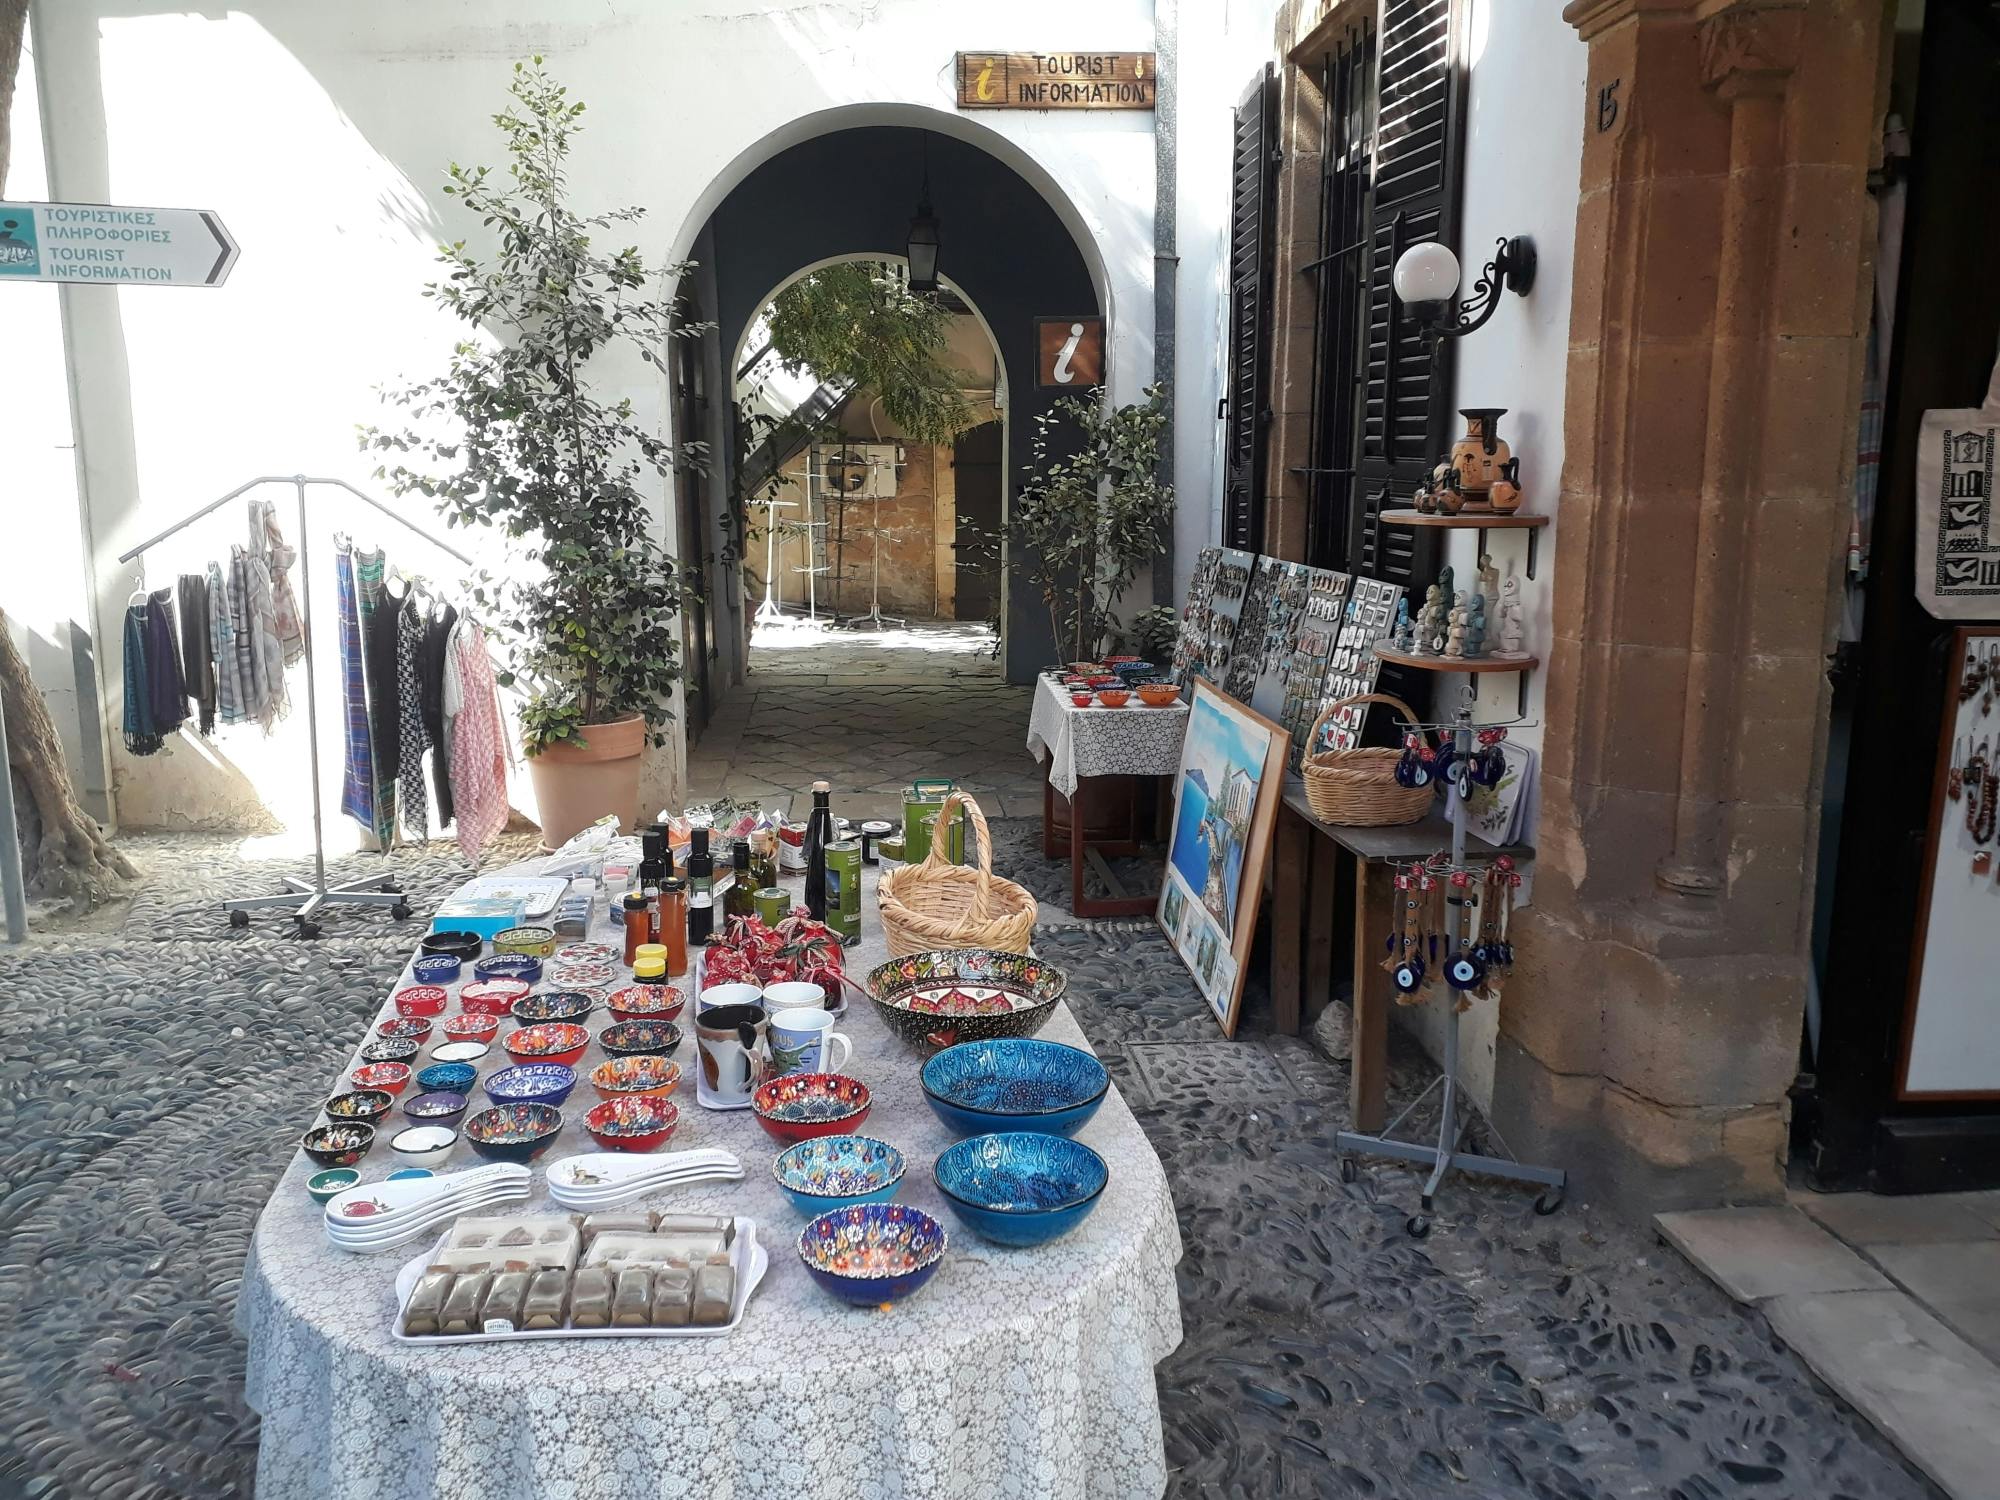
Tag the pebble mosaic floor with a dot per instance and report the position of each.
(151, 1079)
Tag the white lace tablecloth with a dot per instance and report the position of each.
(1131, 741)
(1016, 1373)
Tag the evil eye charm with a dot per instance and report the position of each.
(1409, 974)
(1464, 971)
(1489, 766)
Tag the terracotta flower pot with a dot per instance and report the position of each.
(576, 785)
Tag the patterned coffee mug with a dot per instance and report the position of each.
(804, 1041)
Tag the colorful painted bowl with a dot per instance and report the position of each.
(1129, 667)
(1114, 697)
(339, 1145)
(532, 1083)
(423, 1146)
(639, 1038)
(1014, 1083)
(646, 1002)
(440, 1104)
(391, 1078)
(873, 1253)
(491, 997)
(588, 953)
(645, 1076)
(838, 1171)
(447, 1077)
(406, 1028)
(323, 1185)
(472, 1027)
(419, 1000)
(466, 1051)
(383, 1049)
(437, 968)
(536, 942)
(552, 1041)
(800, 1106)
(522, 966)
(1157, 694)
(632, 1124)
(583, 974)
(360, 1106)
(460, 944)
(514, 1132)
(554, 1005)
(1080, 699)
(951, 995)
(1020, 1188)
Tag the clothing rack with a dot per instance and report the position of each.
(308, 896)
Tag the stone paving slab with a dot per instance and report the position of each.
(1958, 1281)
(1878, 1219)
(1754, 1253)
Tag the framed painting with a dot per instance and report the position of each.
(1226, 795)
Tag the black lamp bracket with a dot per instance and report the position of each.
(1511, 269)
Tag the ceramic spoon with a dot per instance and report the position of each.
(645, 1187)
(398, 1232)
(417, 1194)
(602, 1169)
(634, 1184)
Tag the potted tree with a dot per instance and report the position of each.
(513, 436)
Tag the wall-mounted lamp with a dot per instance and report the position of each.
(1426, 277)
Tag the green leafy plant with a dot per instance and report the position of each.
(1092, 510)
(1152, 633)
(512, 435)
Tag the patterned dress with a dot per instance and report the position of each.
(357, 788)
(368, 570)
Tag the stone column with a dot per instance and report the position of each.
(1724, 244)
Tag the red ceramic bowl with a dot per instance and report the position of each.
(1081, 700)
(646, 1002)
(406, 1028)
(550, 1041)
(390, 1078)
(800, 1106)
(637, 1124)
(1114, 697)
(420, 1000)
(644, 1077)
(491, 997)
(472, 1027)
(1109, 679)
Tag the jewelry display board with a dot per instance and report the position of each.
(1208, 619)
(1273, 615)
(1354, 666)
(1305, 673)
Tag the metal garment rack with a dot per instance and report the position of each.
(309, 896)
(875, 619)
(771, 609)
(1447, 1155)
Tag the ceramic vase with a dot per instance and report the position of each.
(577, 785)
(1479, 458)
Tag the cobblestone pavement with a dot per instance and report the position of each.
(151, 1079)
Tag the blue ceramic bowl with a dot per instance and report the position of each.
(522, 966)
(404, 1174)
(873, 1253)
(1014, 1083)
(554, 1005)
(639, 1039)
(443, 1104)
(447, 1078)
(838, 1171)
(437, 968)
(1021, 1188)
(532, 1083)
(514, 1132)
(323, 1185)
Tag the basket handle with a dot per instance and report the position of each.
(982, 841)
(1312, 735)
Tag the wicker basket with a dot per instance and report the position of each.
(937, 904)
(1358, 788)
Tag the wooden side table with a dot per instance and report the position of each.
(1088, 841)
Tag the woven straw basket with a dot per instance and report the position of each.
(937, 904)
(1357, 788)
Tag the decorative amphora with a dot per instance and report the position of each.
(1479, 458)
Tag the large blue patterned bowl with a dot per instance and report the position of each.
(514, 1132)
(1020, 1188)
(838, 1171)
(532, 1083)
(1015, 1083)
(951, 995)
(873, 1253)
(454, 1077)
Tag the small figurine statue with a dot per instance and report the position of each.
(1428, 489)
(1489, 586)
(1475, 627)
(1404, 634)
(1511, 633)
(1465, 635)
(1506, 492)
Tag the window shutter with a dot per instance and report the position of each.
(1246, 396)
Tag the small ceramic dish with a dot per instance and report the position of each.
(441, 1104)
(447, 1077)
(383, 1049)
(635, 1124)
(532, 1083)
(554, 1005)
(802, 1105)
(514, 1132)
(1157, 694)
(469, 1028)
(463, 1052)
(552, 1041)
(588, 953)
(522, 966)
(419, 1000)
(491, 997)
(582, 974)
(646, 1002)
(1020, 1188)
(838, 1171)
(644, 1076)
(391, 1078)
(339, 1145)
(323, 1185)
(1114, 697)
(873, 1253)
(639, 1038)
(437, 968)
(407, 1028)
(360, 1106)
(1014, 1083)
(460, 944)
(423, 1145)
(536, 942)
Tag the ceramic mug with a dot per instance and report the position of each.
(720, 996)
(794, 994)
(728, 1038)
(804, 1041)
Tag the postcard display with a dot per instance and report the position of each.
(1208, 620)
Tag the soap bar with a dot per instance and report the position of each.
(619, 1223)
(548, 1300)
(420, 1318)
(632, 1303)
(673, 1296)
(590, 1299)
(721, 1224)
(501, 1312)
(462, 1304)
(714, 1292)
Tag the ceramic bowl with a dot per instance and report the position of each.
(323, 1185)
(532, 1083)
(588, 953)
(423, 1145)
(390, 1078)
(639, 1038)
(1014, 1083)
(646, 1002)
(360, 1106)
(584, 975)
(636, 1124)
(437, 968)
(339, 1145)
(524, 967)
(838, 1171)
(873, 1253)
(406, 1174)
(1020, 1188)
(536, 942)
(491, 997)
(459, 944)
(383, 1049)
(472, 1027)
(1080, 698)
(553, 1041)
(449, 1077)
(1114, 697)
(439, 1104)
(466, 1051)
(514, 1132)
(554, 1005)
(644, 1076)
(936, 999)
(1157, 694)
(405, 1028)
(419, 1000)
(1129, 667)
(800, 1106)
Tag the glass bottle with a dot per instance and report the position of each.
(674, 924)
(763, 858)
(639, 917)
(740, 900)
(701, 889)
(655, 864)
(819, 833)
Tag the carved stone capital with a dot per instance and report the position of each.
(1750, 46)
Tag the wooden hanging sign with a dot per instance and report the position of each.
(1055, 80)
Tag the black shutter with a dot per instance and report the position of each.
(1246, 397)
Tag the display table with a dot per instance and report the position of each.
(1085, 754)
(1013, 1373)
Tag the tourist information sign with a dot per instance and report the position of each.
(107, 246)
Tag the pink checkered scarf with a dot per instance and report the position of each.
(478, 747)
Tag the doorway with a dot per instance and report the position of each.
(976, 469)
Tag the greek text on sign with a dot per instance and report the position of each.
(1055, 80)
(1958, 533)
(107, 246)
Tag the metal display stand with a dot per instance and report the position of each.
(875, 619)
(772, 609)
(1447, 1154)
(309, 896)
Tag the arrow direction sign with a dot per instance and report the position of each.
(98, 244)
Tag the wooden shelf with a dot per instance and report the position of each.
(1497, 661)
(1464, 521)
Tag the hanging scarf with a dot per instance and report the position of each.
(268, 544)
(478, 748)
(375, 616)
(357, 787)
(163, 664)
(232, 704)
(141, 737)
(257, 646)
(410, 720)
(197, 650)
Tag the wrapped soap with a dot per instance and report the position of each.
(714, 1292)
(590, 1298)
(676, 1224)
(632, 1302)
(547, 1301)
(622, 1223)
(517, 1238)
(420, 1317)
(462, 1304)
(501, 1311)
(673, 1296)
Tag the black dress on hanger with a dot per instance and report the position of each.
(437, 642)
(379, 663)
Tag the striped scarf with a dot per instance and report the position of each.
(142, 737)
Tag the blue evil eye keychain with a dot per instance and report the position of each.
(1413, 769)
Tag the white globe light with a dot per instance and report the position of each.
(1426, 273)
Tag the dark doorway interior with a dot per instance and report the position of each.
(975, 463)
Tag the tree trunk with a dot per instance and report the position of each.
(13, 30)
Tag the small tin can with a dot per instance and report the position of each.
(774, 902)
(889, 852)
(843, 890)
(872, 833)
